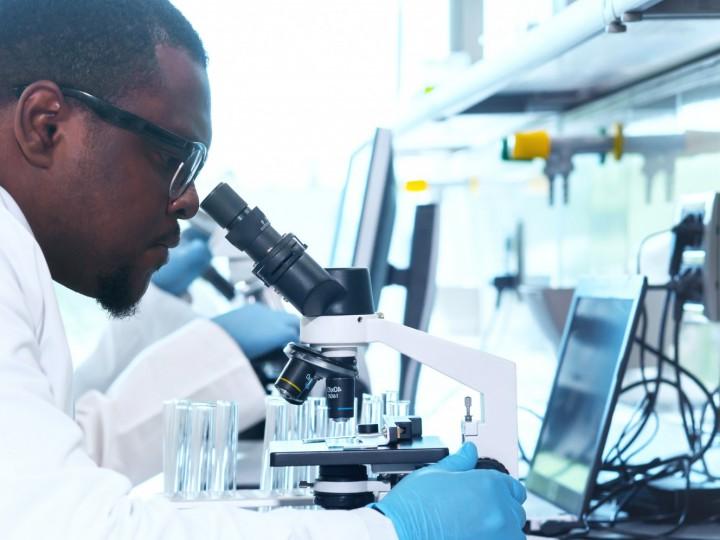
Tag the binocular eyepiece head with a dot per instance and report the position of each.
(282, 263)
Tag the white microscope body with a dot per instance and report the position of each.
(339, 319)
(495, 431)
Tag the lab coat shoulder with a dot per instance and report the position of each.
(18, 257)
(29, 313)
(158, 315)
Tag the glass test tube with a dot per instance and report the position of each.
(273, 478)
(175, 419)
(403, 407)
(390, 397)
(378, 408)
(200, 450)
(366, 409)
(225, 448)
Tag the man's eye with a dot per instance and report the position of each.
(167, 162)
(171, 163)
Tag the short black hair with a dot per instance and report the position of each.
(105, 47)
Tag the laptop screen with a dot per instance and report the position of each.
(592, 358)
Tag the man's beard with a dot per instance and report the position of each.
(115, 294)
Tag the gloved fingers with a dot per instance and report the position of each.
(195, 255)
(290, 320)
(464, 459)
(519, 514)
(193, 233)
(256, 346)
(261, 312)
(186, 263)
(254, 317)
(514, 488)
(258, 309)
(518, 491)
(285, 337)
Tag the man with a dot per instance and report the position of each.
(104, 124)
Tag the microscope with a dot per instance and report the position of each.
(339, 320)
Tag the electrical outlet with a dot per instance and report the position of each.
(706, 255)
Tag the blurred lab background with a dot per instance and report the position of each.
(298, 87)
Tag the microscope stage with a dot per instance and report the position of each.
(416, 452)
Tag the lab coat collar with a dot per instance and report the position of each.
(9, 203)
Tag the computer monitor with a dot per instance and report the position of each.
(596, 344)
(364, 232)
(367, 211)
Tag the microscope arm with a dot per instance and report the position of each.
(495, 431)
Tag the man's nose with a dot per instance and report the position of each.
(187, 205)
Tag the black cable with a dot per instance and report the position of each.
(523, 455)
(651, 395)
(628, 482)
(706, 470)
(531, 412)
(642, 245)
(632, 425)
(661, 339)
(695, 455)
(632, 478)
(640, 408)
(650, 439)
(659, 286)
(643, 337)
(690, 431)
(709, 395)
(612, 524)
(681, 522)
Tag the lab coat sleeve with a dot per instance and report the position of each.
(52, 489)
(158, 315)
(123, 427)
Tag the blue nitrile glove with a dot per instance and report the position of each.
(257, 329)
(450, 500)
(187, 262)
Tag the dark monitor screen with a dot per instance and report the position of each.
(367, 211)
(592, 360)
(348, 220)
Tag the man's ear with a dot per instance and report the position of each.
(40, 110)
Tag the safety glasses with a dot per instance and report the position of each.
(191, 155)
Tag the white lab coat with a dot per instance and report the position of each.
(164, 352)
(50, 487)
(158, 315)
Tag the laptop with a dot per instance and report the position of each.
(594, 350)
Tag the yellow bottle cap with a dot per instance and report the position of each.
(531, 144)
(417, 185)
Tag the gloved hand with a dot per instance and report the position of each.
(257, 329)
(450, 500)
(188, 261)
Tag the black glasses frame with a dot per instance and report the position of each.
(191, 154)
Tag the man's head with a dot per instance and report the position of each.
(95, 189)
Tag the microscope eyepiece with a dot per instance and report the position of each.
(281, 260)
(224, 205)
